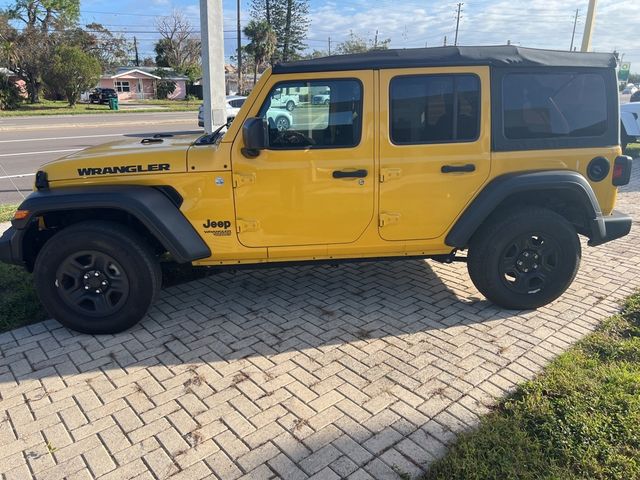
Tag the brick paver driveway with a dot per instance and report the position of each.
(362, 371)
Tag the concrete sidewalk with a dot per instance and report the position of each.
(359, 371)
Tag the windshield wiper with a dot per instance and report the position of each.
(214, 136)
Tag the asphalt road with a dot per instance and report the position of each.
(28, 142)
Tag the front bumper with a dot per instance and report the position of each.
(11, 247)
(616, 225)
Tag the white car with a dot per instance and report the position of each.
(630, 89)
(630, 123)
(323, 98)
(280, 99)
(282, 119)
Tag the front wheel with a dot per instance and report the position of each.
(282, 124)
(97, 277)
(291, 105)
(524, 259)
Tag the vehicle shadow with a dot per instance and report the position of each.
(232, 315)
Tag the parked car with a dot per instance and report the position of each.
(233, 103)
(630, 89)
(323, 98)
(281, 119)
(629, 123)
(280, 99)
(102, 95)
(635, 97)
(422, 153)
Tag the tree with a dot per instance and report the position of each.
(73, 72)
(164, 86)
(9, 93)
(262, 43)
(289, 20)
(98, 41)
(356, 44)
(28, 51)
(179, 47)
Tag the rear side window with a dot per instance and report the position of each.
(554, 105)
(435, 109)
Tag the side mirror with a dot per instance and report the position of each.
(255, 134)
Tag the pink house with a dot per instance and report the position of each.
(139, 83)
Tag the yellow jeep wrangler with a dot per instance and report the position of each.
(509, 153)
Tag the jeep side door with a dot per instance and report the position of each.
(313, 184)
(435, 147)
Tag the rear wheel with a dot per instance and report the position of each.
(524, 259)
(97, 277)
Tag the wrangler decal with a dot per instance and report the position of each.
(151, 167)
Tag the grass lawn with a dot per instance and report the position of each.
(580, 419)
(47, 107)
(19, 304)
(7, 211)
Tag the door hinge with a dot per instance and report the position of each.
(386, 219)
(239, 180)
(244, 226)
(387, 174)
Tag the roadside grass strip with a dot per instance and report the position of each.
(7, 211)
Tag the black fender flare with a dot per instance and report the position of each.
(152, 207)
(502, 187)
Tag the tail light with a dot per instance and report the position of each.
(621, 171)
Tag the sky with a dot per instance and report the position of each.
(408, 23)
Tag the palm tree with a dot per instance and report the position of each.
(262, 44)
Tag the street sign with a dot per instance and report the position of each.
(623, 73)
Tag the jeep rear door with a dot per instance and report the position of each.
(435, 147)
(314, 183)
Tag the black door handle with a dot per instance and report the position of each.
(469, 167)
(350, 174)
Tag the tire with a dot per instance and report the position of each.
(291, 105)
(104, 256)
(525, 258)
(326, 102)
(282, 123)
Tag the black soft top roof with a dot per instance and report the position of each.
(494, 56)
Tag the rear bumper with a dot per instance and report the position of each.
(616, 225)
(11, 247)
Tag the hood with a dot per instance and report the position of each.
(133, 156)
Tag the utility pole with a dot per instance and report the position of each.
(213, 84)
(375, 41)
(329, 45)
(445, 41)
(588, 26)
(135, 48)
(573, 35)
(239, 32)
(455, 42)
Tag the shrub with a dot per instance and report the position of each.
(10, 96)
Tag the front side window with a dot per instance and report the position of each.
(435, 109)
(297, 121)
(122, 86)
(554, 105)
